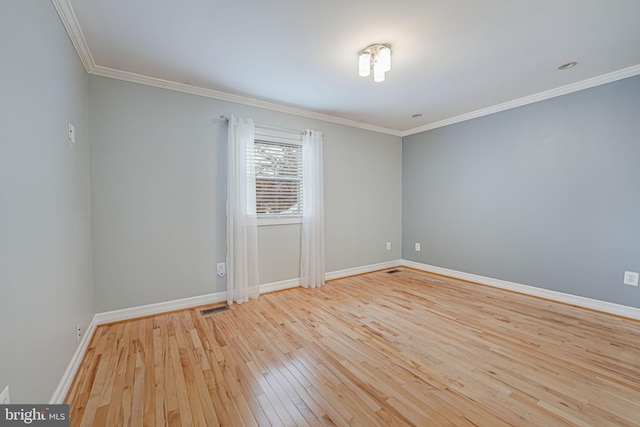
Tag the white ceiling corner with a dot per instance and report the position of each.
(452, 61)
(552, 93)
(70, 22)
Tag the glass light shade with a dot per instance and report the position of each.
(378, 72)
(364, 64)
(384, 58)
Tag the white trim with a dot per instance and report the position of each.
(361, 270)
(593, 304)
(279, 286)
(140, 311)
(278, 220)
(70, 22)
(179, 304)
(151, 309)
(552, 93)
(99, 70)
(160, 307)
(67, 378)
(271, 135)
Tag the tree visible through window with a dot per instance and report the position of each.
(278, 167)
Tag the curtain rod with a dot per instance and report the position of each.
(268, 127)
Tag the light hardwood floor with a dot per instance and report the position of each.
(379, 349)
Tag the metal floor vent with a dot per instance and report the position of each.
(214, 309)
(394, 271)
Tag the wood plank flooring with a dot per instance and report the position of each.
(380, 349)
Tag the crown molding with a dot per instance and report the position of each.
(70, 22)
(99, 70)
(552, 93)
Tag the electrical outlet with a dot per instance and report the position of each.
(388, 246)
(631, 278)
(78, 332)
(4, 396)
(417, 247)
(220, 269)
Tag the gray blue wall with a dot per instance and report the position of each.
(546, 195)
(46, 284)
(158, 195)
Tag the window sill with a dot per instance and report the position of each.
(279, 221)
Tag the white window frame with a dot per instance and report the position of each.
(280, 138)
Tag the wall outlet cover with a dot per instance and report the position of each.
(631, 278)
(221, 269)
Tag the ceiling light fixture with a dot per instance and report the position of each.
(376, 57)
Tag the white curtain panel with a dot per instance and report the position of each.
(312, 251)
(242, 222)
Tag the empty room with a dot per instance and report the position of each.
(279, 213)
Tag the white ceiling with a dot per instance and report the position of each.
(451, 59)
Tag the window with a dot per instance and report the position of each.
(278, 167)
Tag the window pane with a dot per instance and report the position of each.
(278, 178)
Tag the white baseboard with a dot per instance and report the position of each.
(65, 383)
(361, 270)
(279, 286)
(157, 308)
(151, 309)
(593, 304)
(338, 274)
(179, 304)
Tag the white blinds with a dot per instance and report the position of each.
(278, 170)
